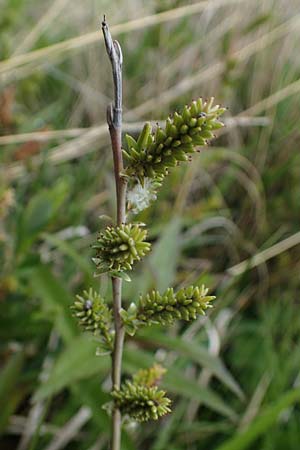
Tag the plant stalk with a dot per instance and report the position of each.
(114, 120)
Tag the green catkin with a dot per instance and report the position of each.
(94, 315)
(118, 248)
(187, 304)
(141, 402)
(151, 376)
(155, 308)
(153, 154)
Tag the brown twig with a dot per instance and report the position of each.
(114, 120)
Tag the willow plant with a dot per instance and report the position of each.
(119, 247)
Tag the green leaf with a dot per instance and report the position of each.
(165, 436)
(123, 275)
(10, 373)
(56, 301)
(195, 352)
(263, 422)
(10, 393)
(39, 213)
(177, 383)
(164, 257)
(67, 249)
(10, 406)
(78, 361)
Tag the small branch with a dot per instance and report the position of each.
(114, 120)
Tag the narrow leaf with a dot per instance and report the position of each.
(55, 300)
(67, 249)
(263, 422)
(78, 361)
(195, 352)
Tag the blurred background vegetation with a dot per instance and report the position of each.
(230, 219)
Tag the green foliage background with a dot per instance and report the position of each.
(234, 376)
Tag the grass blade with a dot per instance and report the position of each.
(196, 353)
(263, 422)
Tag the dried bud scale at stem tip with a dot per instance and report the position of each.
(119, 247)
